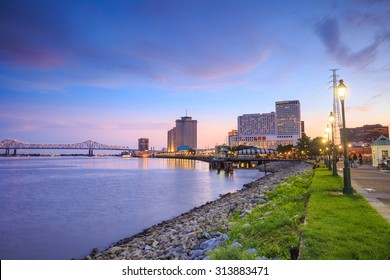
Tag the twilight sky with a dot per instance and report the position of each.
(116, 71)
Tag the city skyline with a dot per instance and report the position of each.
(116, 72)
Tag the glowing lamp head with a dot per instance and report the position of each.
(341, 89)
(327, 129)
(331, 117)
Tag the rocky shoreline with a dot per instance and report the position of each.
(191, 235)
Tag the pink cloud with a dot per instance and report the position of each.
(30, 55)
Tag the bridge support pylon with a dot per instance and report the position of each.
(90, 152)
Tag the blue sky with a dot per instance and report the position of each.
(116, 71)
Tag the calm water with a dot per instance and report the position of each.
(61, 208)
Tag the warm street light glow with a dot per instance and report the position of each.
(327, 129)
(331, 117)
(341, 89)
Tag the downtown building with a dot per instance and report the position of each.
(268, 130)
(183, 134)
(143, 144)
(365, 133)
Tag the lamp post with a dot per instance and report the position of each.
(347, 189)
(334, 169)
(327, 131)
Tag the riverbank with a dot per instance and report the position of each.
(193, 234)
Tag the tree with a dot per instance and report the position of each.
(315, 146)
(304, 144)
(284, 149)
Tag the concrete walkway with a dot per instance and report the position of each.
(373, 185)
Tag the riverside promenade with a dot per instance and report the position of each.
(373, 185)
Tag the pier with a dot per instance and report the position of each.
(227, 164)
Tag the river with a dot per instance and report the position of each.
(62, 207)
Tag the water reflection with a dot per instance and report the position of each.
(181, 163)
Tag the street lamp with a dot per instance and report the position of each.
(341, 89)
(327, 131)
(332, 119)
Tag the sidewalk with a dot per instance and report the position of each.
(373, 185)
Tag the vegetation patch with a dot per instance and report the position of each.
(272, 230)
(342, 227)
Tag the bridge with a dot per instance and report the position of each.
(8, 144)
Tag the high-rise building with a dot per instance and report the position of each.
(288, 121)
(172, 140)
(183, 134)
(268, 130)
(143, 144)
(288, 117)
(186, 132)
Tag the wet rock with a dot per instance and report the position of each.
(94, 252)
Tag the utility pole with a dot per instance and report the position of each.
(336, 110)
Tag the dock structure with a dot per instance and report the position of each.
(227, 164)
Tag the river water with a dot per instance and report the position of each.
(62, 207)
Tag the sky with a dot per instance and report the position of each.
(116, 71)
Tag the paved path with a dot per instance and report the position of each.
(373, 185)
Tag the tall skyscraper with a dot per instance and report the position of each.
(172, 140)
(288, 118)
(184, 134)
(288, 122)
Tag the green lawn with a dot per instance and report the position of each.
(308, 212)
(342, 227)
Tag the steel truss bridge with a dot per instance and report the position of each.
(8, 144)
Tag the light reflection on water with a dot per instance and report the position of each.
(61, 208)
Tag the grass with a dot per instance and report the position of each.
(336, 227)
(342, 227)
(272, 229)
